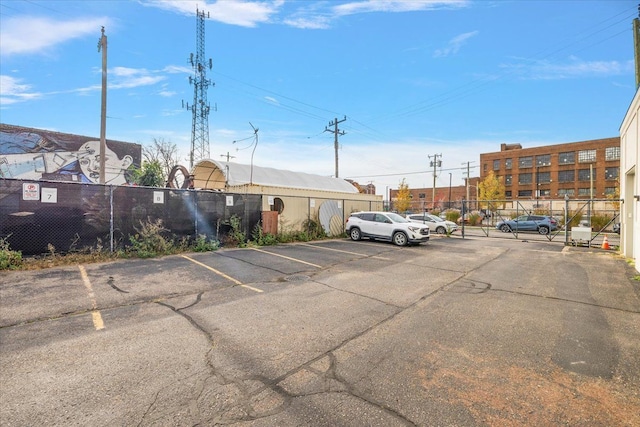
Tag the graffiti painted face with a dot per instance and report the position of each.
(89, 160)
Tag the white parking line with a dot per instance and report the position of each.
(346, 252)
(95, 314)
(220, 273)
(289, 258)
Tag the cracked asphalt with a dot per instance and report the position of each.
(456, 332)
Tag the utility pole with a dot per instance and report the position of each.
(449, 191)
(228, 156)
(200, 107)
(636, 47)
(336, 132)
(102, 45)
(435, 163)
(468, 173)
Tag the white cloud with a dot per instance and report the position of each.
(242, 13)
(126, 78)
(35, 35)
(13, 91)
(573, 68)
(395, 6)
(455, 44)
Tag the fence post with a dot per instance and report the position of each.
(566, 219)
(111, 218)
(463, 206)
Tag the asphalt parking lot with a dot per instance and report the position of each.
(465, 332)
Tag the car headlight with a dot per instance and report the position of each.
(414, 229)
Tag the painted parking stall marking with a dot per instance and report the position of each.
(221, 274)
(289, 258)
(98, 323)
(345, 252)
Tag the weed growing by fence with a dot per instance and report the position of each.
(9, 260)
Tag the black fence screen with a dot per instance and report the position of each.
(38, 216)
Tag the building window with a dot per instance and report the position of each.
(584, 175)
(422, 195)
(609, 191)
(525, 178)
(584, 192)
(496, 165)
(543, 160)
(507, 179)
(544, 193)
(508, 163)
(525, 162)
(612, 153)
(278, 205)
(586, 156)
(507, 194)
(566, 176)
(567, 191)
(484, 167)
(567, 158)
(524, 193)
(543, 177)
(611, 173)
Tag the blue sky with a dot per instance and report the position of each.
(413, 78)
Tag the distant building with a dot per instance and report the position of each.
(579, 170)
(38, 154)
(445, 197)
(290, 199)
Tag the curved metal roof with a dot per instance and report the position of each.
(211, 174)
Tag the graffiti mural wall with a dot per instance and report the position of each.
(27, 153)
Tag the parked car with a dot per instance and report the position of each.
(385, 226)
(541, 224)
(616, 227)
(435, 223)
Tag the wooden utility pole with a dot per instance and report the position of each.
(336, 132)
(435, 163)
(102, 45)
(636, 47)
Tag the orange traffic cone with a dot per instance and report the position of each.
(605, 243)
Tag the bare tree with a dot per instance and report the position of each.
(164, 152)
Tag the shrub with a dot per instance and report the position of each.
(263, 239)
(9, 260)
(452, 215)
(149, 241)
(202, 244)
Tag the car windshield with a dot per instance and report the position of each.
(435, 218)
(396, 218)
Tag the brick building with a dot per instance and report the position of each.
(445, 197)
(580, 170)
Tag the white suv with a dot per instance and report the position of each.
(386, 226)
(436, 223)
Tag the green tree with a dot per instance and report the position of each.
(490, 189)
(403, 200)
(164, 152)
(150, 175)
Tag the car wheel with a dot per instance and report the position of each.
(543, 229)
(505, 228)
(400, 239)
(441, 230)
(355, 234)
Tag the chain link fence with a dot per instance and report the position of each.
(39, 216)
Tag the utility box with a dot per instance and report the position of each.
(581, 235)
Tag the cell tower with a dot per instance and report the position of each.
(200, 107)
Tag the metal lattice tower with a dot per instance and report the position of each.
(200, 107)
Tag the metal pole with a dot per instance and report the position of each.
(102, 45)
(449, 190)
